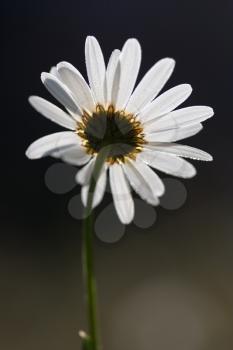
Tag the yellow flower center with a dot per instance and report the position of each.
(109, 127)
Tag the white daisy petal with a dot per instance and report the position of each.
(77, 85)
(51, 143)
(168, 164)
(110, 74)
(54, 71)
(180, 118)
(74, 155)
(130, 60)
(95, 68)
(52, 112)
(184, 133)
(138, 183)
(121, 194)
(83, 176)
(99, 190)
(151, 84)
(180, 150)
(60, 92)
(115, 85)
(166, 102)
(191, 115)
(173, 134)
(150, 177)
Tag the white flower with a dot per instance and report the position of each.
(140, 126)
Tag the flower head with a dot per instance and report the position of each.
(140, 128)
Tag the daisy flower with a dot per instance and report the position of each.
(140, 126)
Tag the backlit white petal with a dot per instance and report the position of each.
(166, 102)
(116, 85)
(180, 118)
(168, 164)
(51, 143)
(52, 112)
(130, 60)
(83, 176)
(54, 71)
(173, 134)
(95, 68)
(150, 177)
(138, 183)
(99, 190)
(77, 85)
(180, 150)
(75, 155)
(110, 74)
(122, 197)
(151, 84)
(192, 115)
(60, 92)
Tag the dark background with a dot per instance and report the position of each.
(167, 287)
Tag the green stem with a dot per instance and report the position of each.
(88, 263)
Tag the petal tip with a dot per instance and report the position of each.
(209, 158)
(31, 99)
(77, 179)
(211, 111)
(191, 174)
(188, 87)
(60, 65)
(90, 38)
(53, 71)
(44, 76)
(64, 64)
(171, 61)
(126, 220)
(162, 191)
(28, 153)
(134, 42)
